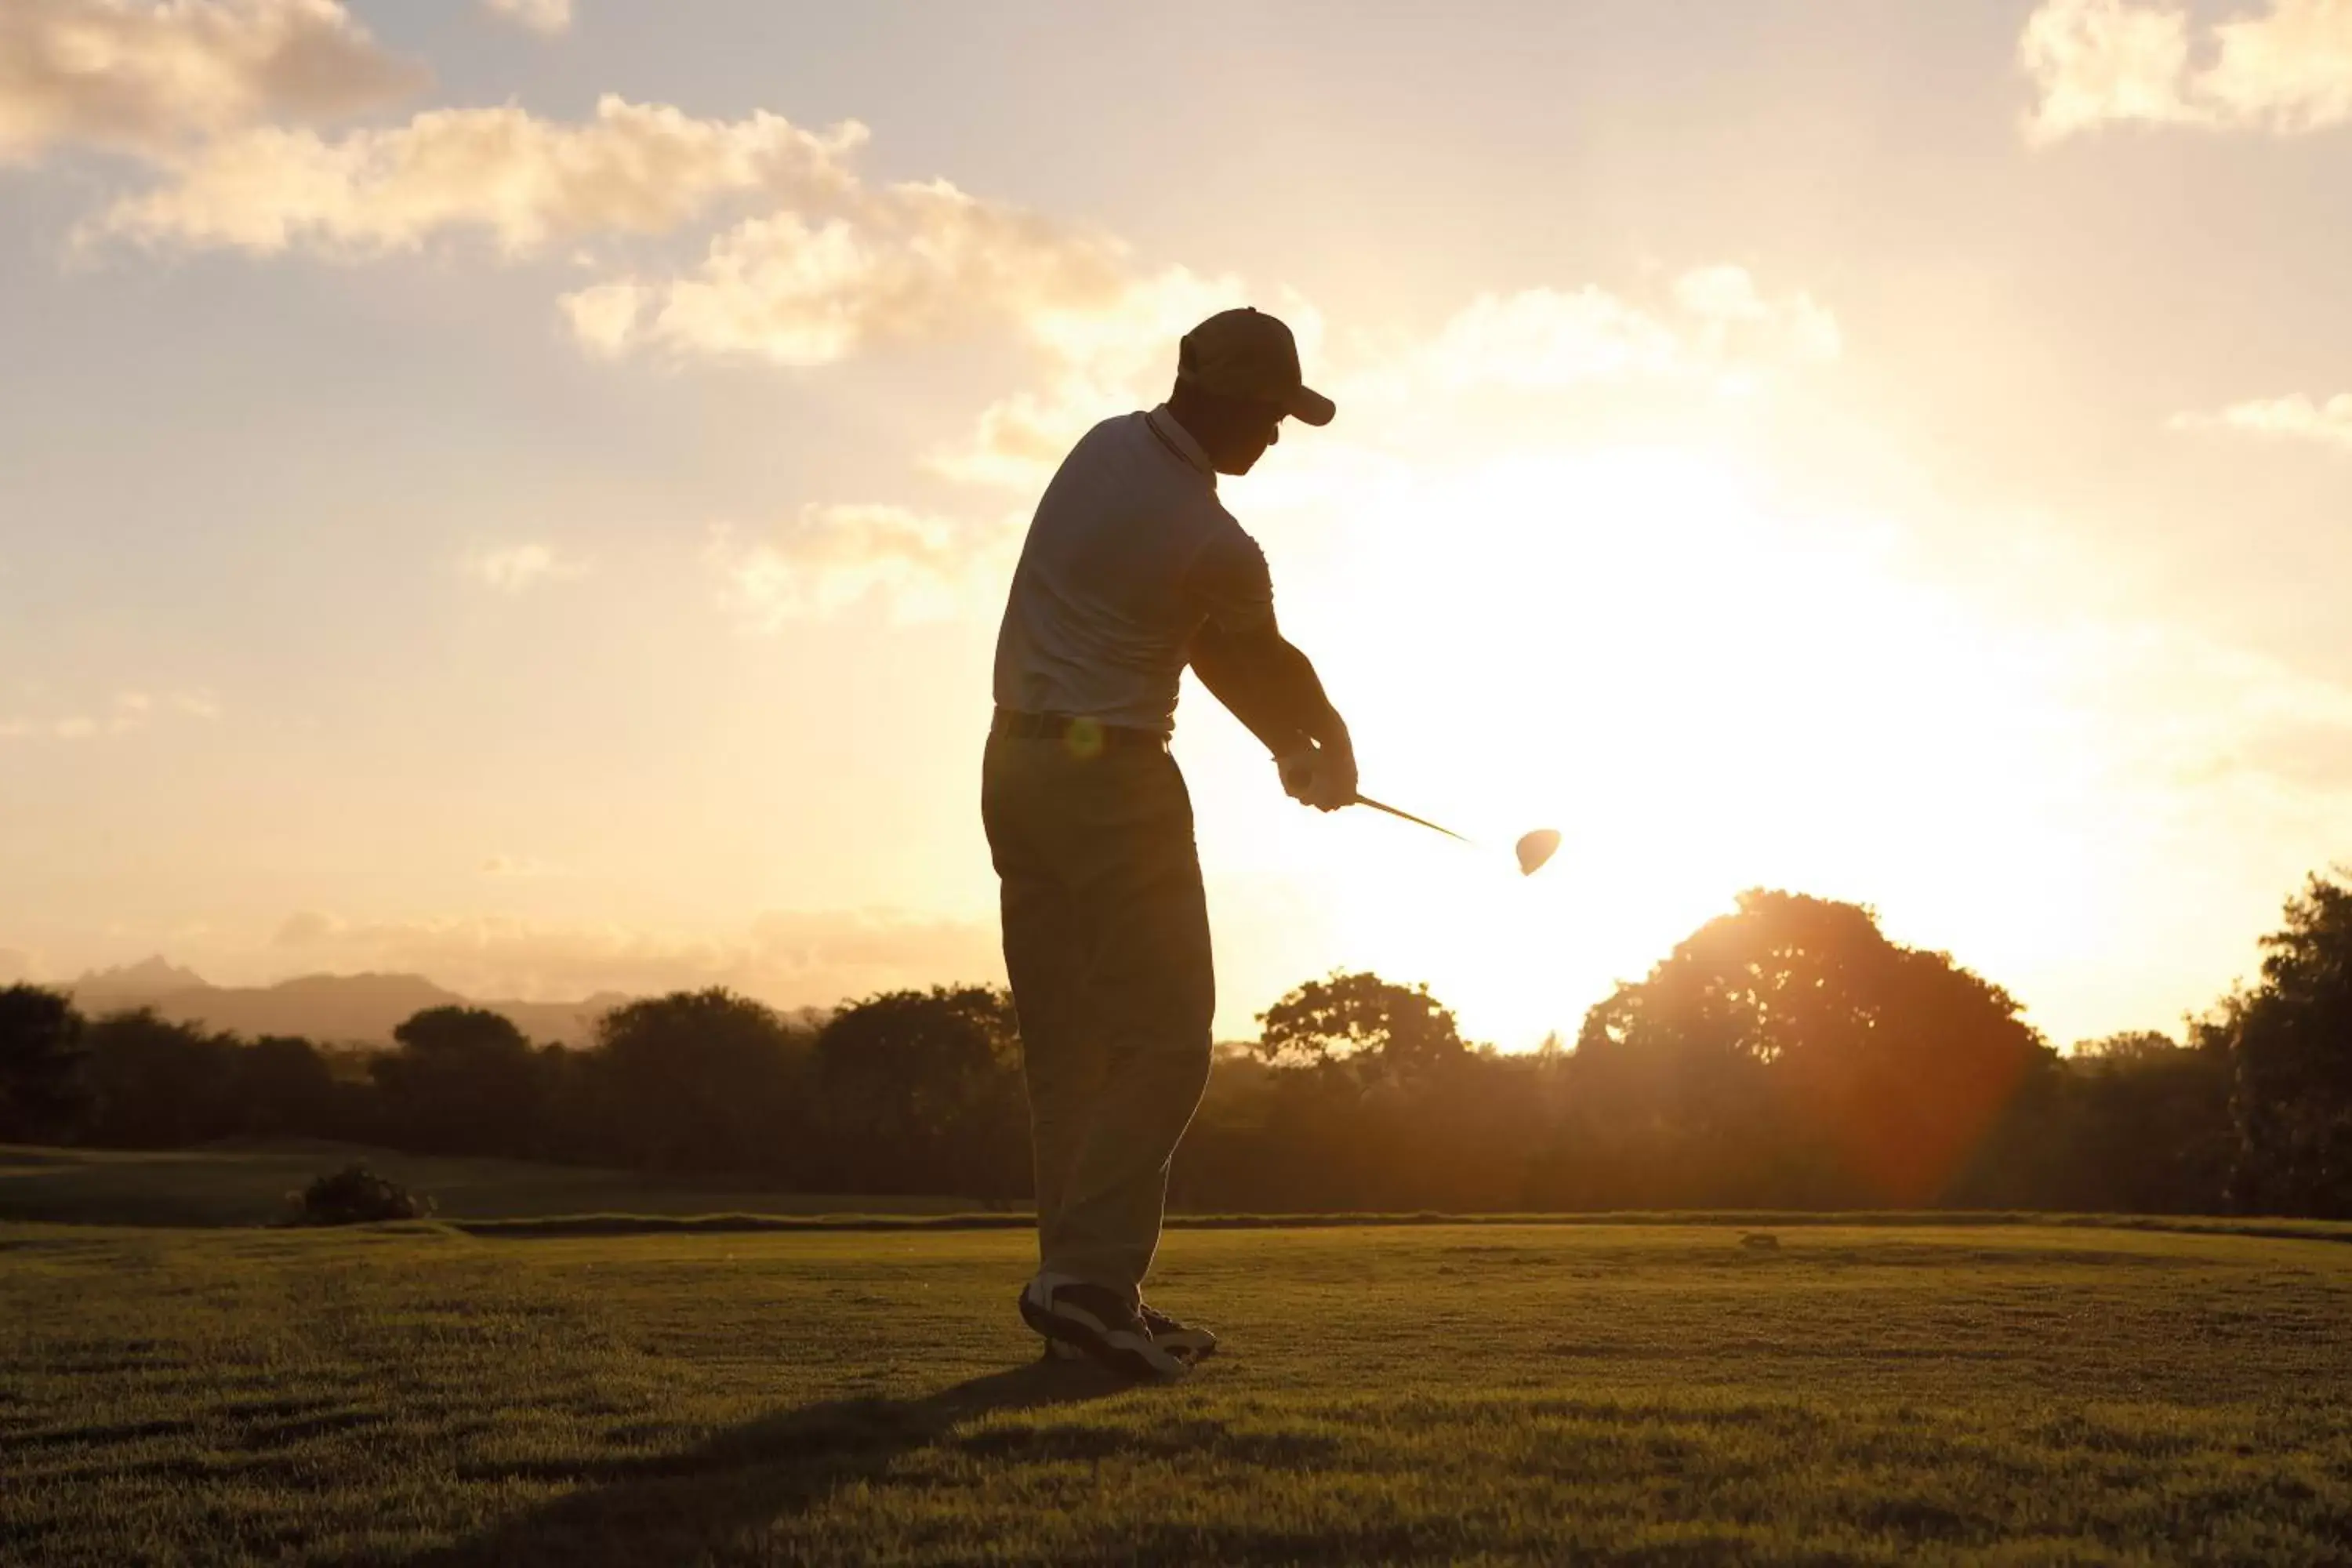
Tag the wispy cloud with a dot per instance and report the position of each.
(517, 866)
(829, 265)
(149, 79)
(1095, 356)
(1717, 327)
(2286, 69)
(825, 559)
(522, 181)
(2295, 418)
(515, 568)
(832, 266)
(546, 16)
(1709, 328)
(128, 712)
(903, 261)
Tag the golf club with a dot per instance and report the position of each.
(1533, 848)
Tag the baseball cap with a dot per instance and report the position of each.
(1249, 354)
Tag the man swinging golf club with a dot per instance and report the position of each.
(1131, 570)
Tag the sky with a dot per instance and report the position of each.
(522, 491)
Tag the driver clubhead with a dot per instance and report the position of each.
(1537, 848)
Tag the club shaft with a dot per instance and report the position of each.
(1392, 811)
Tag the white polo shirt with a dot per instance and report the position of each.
(1129, 553)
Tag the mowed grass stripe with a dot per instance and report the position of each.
(253, 1185)
(1515, 1392)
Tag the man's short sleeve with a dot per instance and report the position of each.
(1230, 582)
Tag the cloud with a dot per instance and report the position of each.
(2295, 417)
(1712, 328)
(514, 568)
(2289, 69)
(2097, 60)
(546, 16)
(2199, 721)
(523, 182)
(129, 710)
(1097, 355)
(520, 865)
(1731, 318)
(912, 261)
(788, 959)
(827, 559)
(1719, 330)
(833, 267)
(2286, 68)
(147, 79)
(307, 928)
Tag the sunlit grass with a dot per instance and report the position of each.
(1644, 1393)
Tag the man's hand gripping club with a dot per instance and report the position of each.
(1322, 775)
(1272, 687)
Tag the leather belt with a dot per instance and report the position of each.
(1080, 734)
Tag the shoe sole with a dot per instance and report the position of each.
(1106, 1349)
(1193, 1345)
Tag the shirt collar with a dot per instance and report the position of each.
(1178, 440)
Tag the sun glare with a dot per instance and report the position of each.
(1700, 694)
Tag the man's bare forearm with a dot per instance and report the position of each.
(1270, 686)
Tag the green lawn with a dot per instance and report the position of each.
(248, 1187)
(1492, 1393)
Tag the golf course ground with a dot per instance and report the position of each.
(1653, 1390)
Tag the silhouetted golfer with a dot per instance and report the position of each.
(1131, 570)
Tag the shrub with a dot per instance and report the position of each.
(357, 1196)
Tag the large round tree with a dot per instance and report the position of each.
(1789, 1052)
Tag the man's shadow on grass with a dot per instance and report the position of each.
(674, 1508)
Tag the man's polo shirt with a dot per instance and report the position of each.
(1128, 554)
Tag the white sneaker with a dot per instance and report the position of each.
(1097, 1321)
(1174, 1334)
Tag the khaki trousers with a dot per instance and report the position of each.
(1106, 943)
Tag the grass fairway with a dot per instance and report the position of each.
(1438, 1393)
(250, 1186)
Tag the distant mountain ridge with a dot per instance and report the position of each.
(333, 1010)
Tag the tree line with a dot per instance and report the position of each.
(1787, 1055)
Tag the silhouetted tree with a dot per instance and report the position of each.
(461, 1080)
(2131, 1048)
(1361, 1093)
(701, 1080)
(284, 1087)
(2144, 1129)
(160, 1085)
(1785, 1054)
(44, 1093)
(922, 1093)
(1789, 1052)
(1360, 1018)
(2289, 1040)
